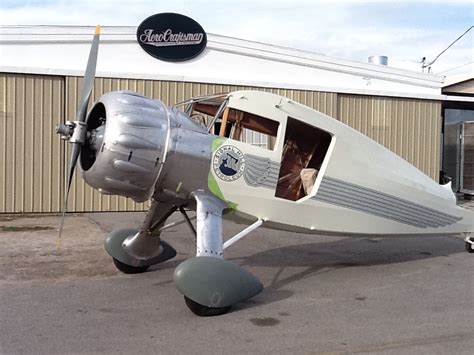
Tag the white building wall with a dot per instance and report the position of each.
(64, 51)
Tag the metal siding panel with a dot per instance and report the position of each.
(395, 127)
(403, 128)
(38, 150)
(19, 144)
(425, 143)
(410, 132)
(46, 145)
(52, 150)
(6, 120)
(436, 143)
(408, 127)
(3, 137)
(429, 126)
(423, 154)
(28, 145)
(12, 155)
(30, 166)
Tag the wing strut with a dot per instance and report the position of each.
(243, 233)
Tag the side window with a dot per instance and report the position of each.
(304, 149)
(249, 128)
(207, 109)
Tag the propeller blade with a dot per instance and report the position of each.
(76, 150)
(89, 77)
(77, 138)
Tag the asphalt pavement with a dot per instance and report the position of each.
(322, 295)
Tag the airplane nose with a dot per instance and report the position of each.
(124, 148)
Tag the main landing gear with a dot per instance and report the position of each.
(203, 311)
(133, 250)
(160, 251)
(210, 284)
(129, 269)
(469, 243)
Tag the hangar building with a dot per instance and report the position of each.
(40, 80)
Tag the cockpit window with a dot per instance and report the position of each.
(233, 123)
(248, 127)
(304, 151)
(205, 109)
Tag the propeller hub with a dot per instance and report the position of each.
(65, 130)
(79, 133)
(75, 131)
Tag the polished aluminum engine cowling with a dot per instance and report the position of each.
(137, 146)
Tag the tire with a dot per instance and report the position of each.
(128, 269)
(203, 311)
(469, 247)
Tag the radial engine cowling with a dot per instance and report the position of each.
(125, 145)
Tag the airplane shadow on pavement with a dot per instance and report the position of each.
(318, 258)
(323, 257)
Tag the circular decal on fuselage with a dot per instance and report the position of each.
(228, 163)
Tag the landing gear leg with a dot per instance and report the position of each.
(210, 284)
(133, 251)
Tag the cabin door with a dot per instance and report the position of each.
(304, 150)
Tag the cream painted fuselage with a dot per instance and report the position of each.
(360, 187)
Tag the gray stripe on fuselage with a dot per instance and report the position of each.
(363, 199)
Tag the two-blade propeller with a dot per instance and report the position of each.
(76, 131)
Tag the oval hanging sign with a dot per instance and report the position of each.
(171, 37)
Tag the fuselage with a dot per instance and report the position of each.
(310, 173)
(360, 187)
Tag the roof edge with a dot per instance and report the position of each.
(127, 34)
(210, 80)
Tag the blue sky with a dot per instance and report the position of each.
(404, 30)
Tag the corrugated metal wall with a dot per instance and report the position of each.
(33, 161)
(30, 152)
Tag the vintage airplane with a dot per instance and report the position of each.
(312, 174)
